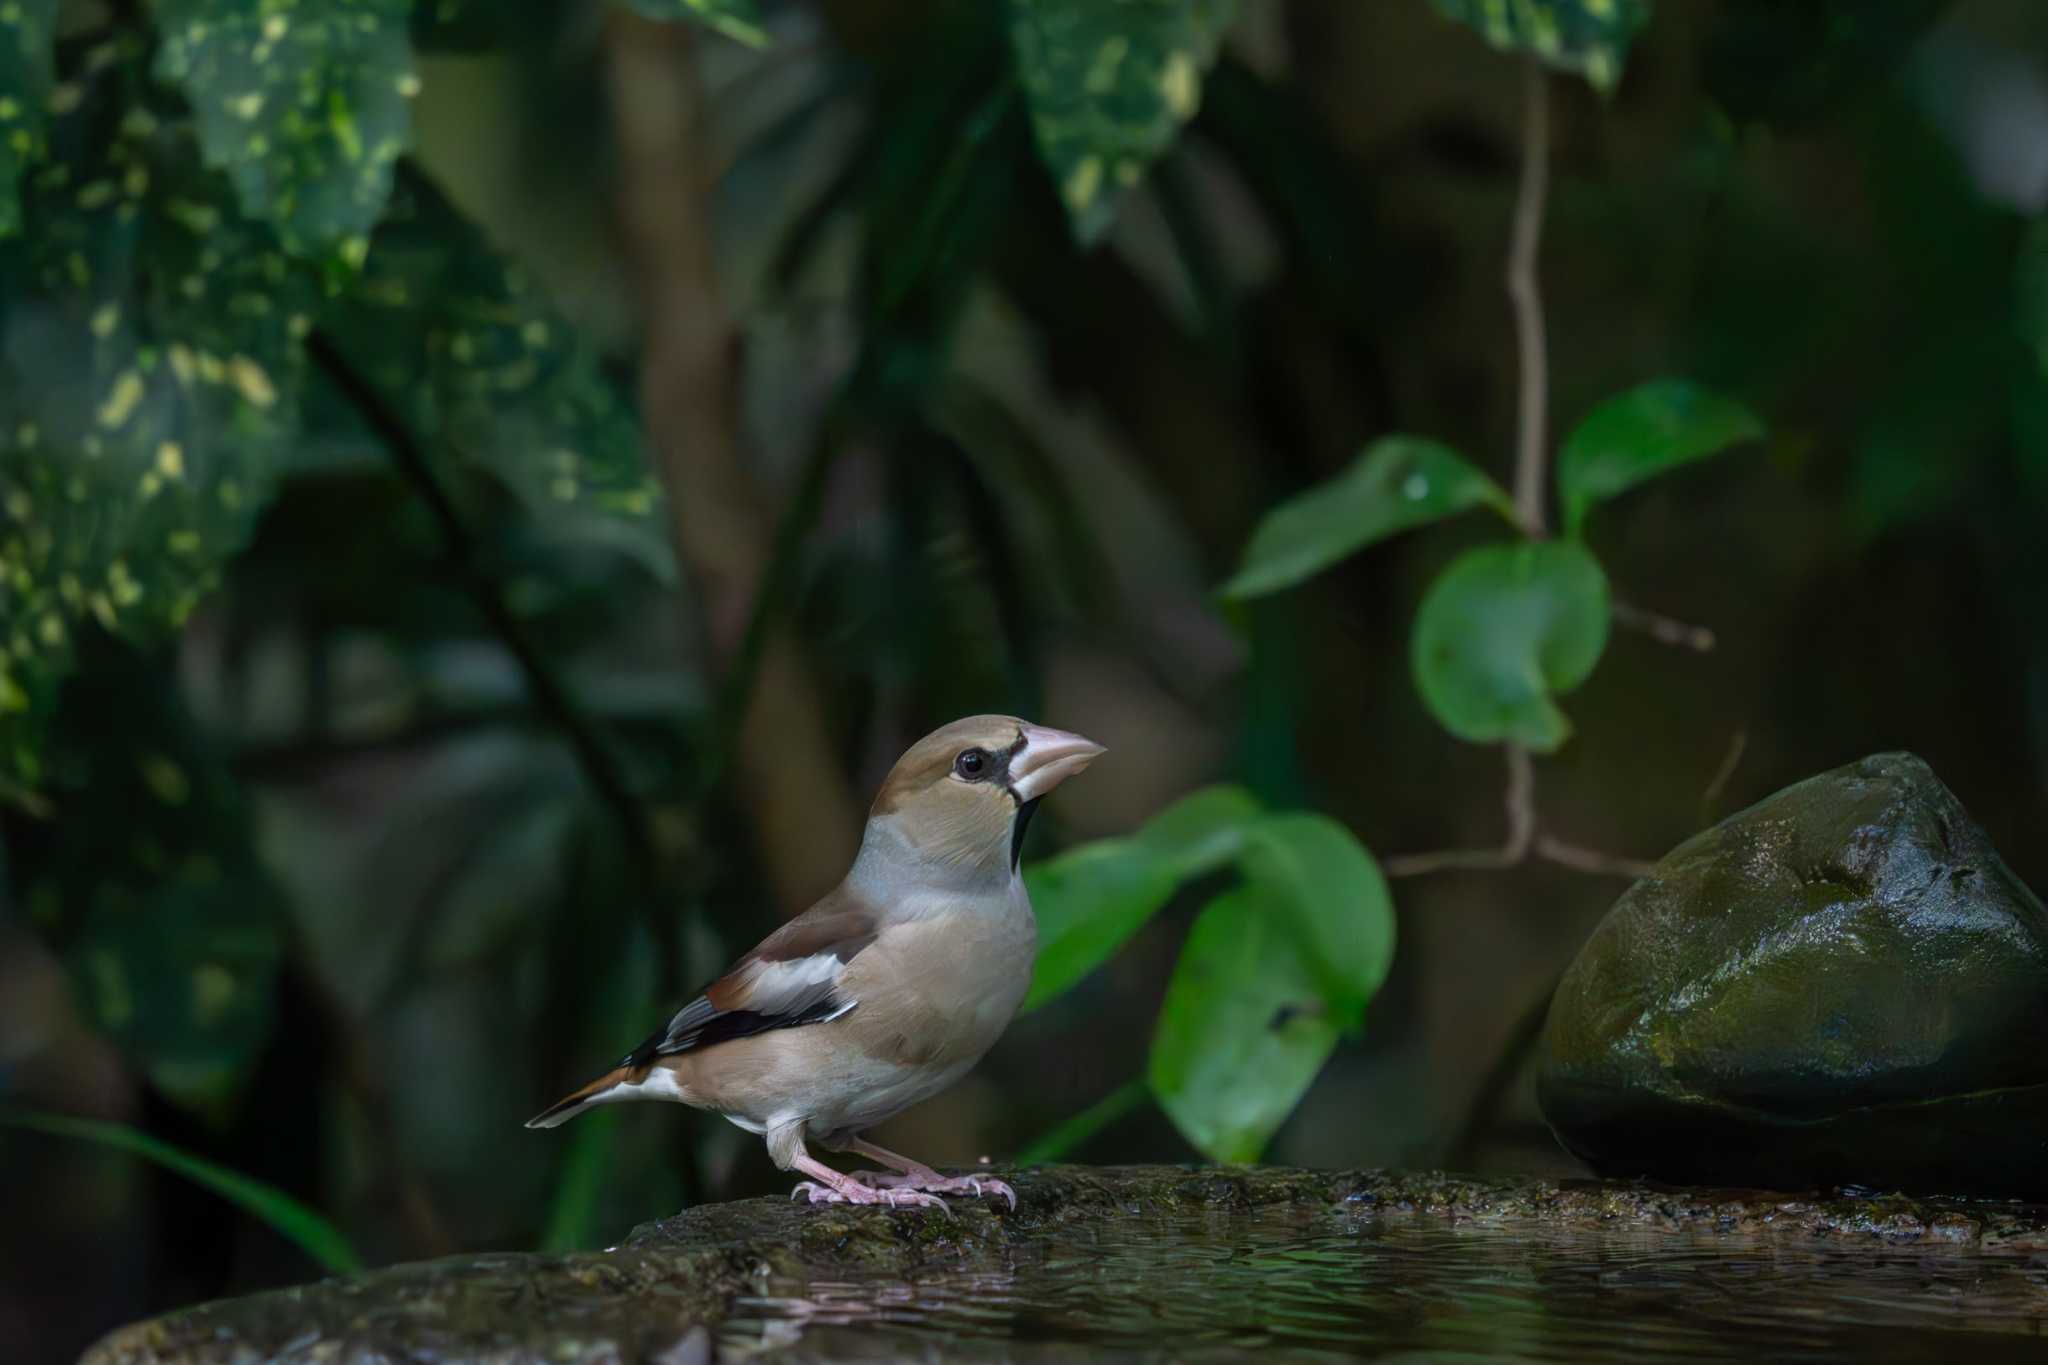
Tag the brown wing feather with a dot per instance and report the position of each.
(790, 980)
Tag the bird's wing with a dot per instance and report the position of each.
(792, 979)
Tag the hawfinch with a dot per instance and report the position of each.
(886, 991)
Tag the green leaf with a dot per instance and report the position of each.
(310, 1231)
(149, 377)
(491, 380)
(1313, 871)
(1588, 38)
(1111, 82)
(28, 74)
(1504, 629)
(1090, 900)
(1397, 483)
(1244, 1030)
(1643, 433)
(306, 105)
(736, 19)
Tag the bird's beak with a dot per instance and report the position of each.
(1048, 758)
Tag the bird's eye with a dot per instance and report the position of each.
(971, 764)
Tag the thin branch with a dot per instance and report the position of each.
(1520, 801)
(1589, 860)
(1532, 427)
(549, 693)
(1711, 797)
(1663, 629)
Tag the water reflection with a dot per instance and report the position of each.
(1294, 1286)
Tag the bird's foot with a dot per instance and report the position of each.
(982, 1186)
(854, 1192)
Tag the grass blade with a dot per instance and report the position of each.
(286, 1216)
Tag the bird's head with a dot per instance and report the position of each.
(961, 797)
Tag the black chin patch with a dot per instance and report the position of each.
(1025, 810)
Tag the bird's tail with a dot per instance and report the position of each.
(574, 1103)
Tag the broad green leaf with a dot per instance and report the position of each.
(1502, 631)
(28, 75)
(1643, 433)
(1244, 1030)
(1399, 482)
(1111, 82)
(1091, 899)
(305, 103)
(468, 351)
(149, 375)
(1588, 38)
(1315, 872)
(308, 1230)
(736, 19)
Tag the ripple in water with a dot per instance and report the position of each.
(1288, 1286)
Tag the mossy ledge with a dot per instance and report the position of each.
(642, 1300)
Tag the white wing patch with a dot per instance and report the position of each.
(776, 987)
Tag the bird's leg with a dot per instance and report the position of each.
(907, 1174)
(827, 1186)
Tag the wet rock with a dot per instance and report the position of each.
(660, 1296)
(1842, 985)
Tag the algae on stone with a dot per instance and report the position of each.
(1843, 984)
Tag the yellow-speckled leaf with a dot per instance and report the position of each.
(1111, 83)
(27, 76)
(467, 347)
(148, 382)
(305, 103)
(738, 19)
(148, 883)
(1589, 38)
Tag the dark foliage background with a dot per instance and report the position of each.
(476, 759)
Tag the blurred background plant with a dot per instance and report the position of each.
(485, 491)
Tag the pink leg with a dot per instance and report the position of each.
(915, 1175)
(827, 1186)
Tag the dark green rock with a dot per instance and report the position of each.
(1842, 985)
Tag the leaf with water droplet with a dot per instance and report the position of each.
(1399, 482)
(1111, 86)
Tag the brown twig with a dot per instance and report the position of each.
(550, 694)
(1532, 426)
(1737, 744)
(1664, 629)
(804, 814)
(1532, 449)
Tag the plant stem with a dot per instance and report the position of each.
(1532, 426)
(1664, 629)
(1069, 1134)
(549, 693)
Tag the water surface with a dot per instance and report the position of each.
(1289, 1284)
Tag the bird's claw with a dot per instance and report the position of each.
(858, 1193)
(981, 1186)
